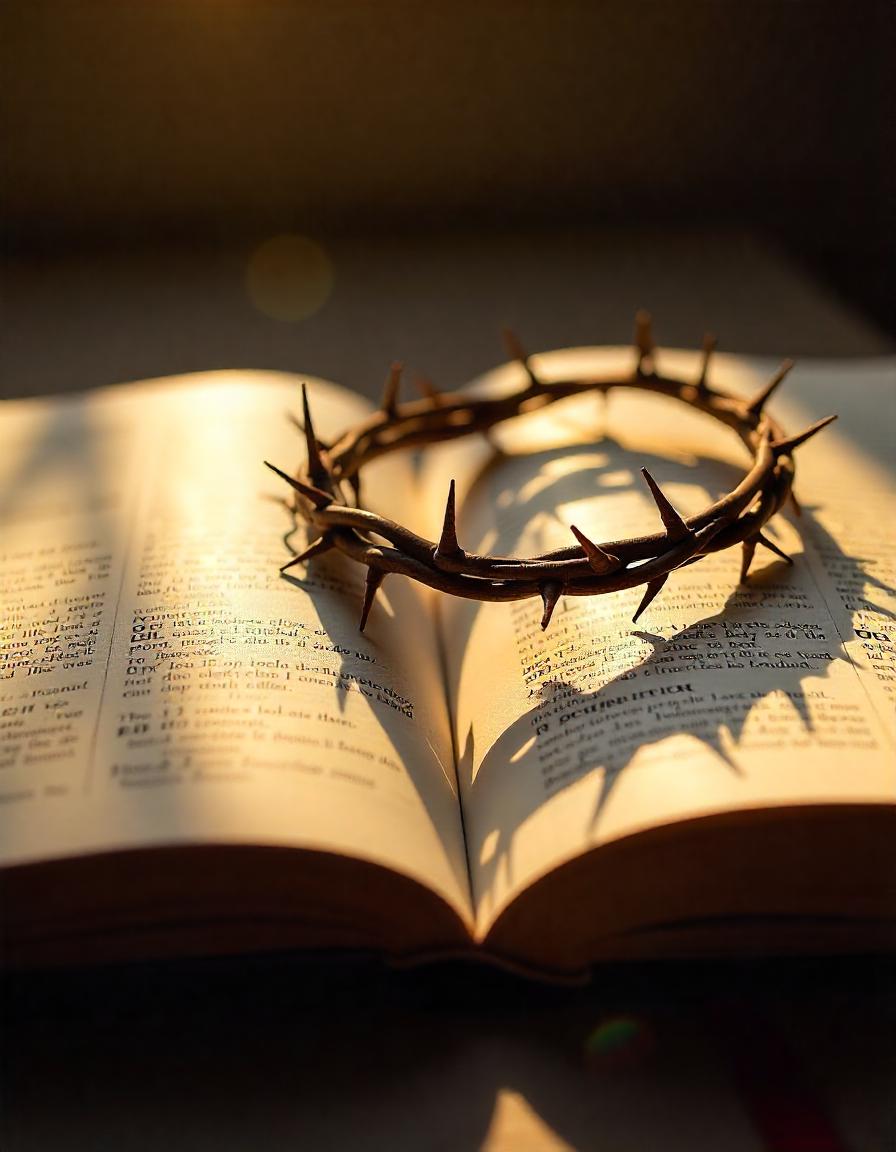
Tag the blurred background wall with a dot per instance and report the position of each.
(135, 121)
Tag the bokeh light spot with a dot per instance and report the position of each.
(619, 1042)
(289, 277)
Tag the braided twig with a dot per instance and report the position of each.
(327, 490)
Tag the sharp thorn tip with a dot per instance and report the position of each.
(786, 446)
(773, 547)
(650, 593)
(550, 594)
(316, 469)
(676, 528)
(748, 551)
(448, 545)
(763, 395)
(391, 388)
(372, 583)
(601, 561)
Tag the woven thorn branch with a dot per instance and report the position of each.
(327, 489)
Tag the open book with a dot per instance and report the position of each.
(200, 755)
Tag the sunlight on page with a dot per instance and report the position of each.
(237, 706)
(721, 697)
(515, 1124)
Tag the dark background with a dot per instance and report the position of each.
(553, 165)
(190, 118)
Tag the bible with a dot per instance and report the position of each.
(201, 755)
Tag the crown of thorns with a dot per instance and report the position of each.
(327, 490)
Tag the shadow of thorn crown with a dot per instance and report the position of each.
(327, 490)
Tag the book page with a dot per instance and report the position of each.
(722, 697)
(162, 683)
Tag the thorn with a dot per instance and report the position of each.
(650, 592)
(390, 389)
(749, 548)
(316, 469)
(797, 507)
(759, 400)
(785, 447)
(429, 390)
(318, 498)
(516, 351)
(448, 545)
(709, 346)
(375, 577)
(676, 528)
(601, 561)
(772, 547)
(512, 343)
(550, 594)
(321, 544)
(643, 336)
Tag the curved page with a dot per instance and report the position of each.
(161, 683)
(722, 697)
